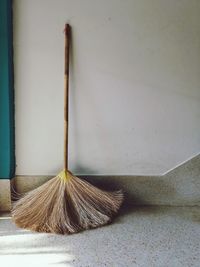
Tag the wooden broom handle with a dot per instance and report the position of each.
(66, 95)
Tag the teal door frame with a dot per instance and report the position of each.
(7, 151)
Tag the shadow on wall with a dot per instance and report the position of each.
(179, 187)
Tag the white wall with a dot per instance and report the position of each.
(135, 85)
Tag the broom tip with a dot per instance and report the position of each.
(67, 29)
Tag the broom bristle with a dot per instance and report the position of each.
(65, 205)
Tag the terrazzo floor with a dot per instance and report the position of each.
(139, 237)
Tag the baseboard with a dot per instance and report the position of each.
(179, 187)
(5, 193)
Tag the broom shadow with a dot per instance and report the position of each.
(78, 168)
(72, 103)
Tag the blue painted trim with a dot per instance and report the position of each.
(7, 145)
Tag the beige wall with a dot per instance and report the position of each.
(135, 85)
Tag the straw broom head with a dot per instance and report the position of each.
(65, 205)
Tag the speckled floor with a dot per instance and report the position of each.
(142, 236)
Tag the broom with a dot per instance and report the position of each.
(66, 204)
